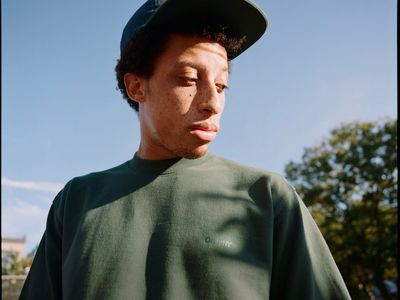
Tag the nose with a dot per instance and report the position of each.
(211, 102)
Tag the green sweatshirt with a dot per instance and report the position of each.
(206, 228)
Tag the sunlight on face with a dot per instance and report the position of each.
(183, 99)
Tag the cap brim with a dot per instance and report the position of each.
(244, 17)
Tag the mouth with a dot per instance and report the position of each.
(206, 132)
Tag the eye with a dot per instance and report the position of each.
(221, 87)
(188, 80)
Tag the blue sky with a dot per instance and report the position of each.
(320, 64)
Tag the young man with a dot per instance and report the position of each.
(176, 222)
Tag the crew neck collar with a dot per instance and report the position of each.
(166, 166)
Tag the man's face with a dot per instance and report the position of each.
(180, 105)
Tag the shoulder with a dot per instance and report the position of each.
(239, 168)
(262, 182)
(100, 177)
(274, 180)
(94, 183)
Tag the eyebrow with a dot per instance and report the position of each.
(188, 63)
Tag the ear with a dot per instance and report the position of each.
(134, 86)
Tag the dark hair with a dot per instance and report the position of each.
(141, 52)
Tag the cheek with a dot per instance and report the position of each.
(170, 106)
(223, 103)
(180, 100)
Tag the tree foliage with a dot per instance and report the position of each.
(11, 265)
(349, 183)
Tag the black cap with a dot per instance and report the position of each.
(243, 17)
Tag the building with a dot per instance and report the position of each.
(13, 246)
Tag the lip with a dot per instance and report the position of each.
(204, 131)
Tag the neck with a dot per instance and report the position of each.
(146, 152)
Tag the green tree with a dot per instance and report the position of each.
(349, 184)
(11, 265)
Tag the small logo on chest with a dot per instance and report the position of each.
(220, 242)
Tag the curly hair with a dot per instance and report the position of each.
(147, 44)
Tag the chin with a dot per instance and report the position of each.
(193, 153)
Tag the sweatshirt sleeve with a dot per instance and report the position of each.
(44, 278)
(303, 267)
